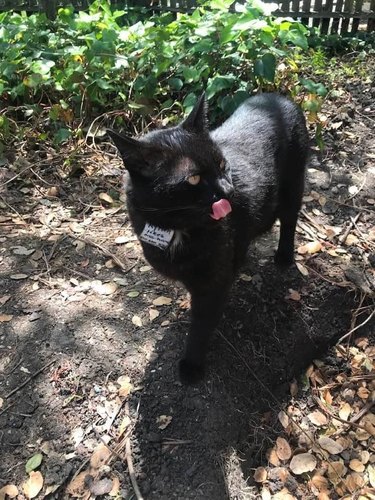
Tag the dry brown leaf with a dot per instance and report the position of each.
(351, 239)
(283, 419)
(162, 301)
(273, 458)
(125, 386)
(77, 486)
(4, 318)
(345, 411)
(137, 321)
(354, 482)
(356, 465)
(328, 444)
(100, 487)
(319, 482)
(154, 313)
(371, 475)
(105, 197)
(324, 495)
(104, 288)
(124, 425)
(260, 475)
(363, 392)
(336, 471)
(310, 248)
(327, 396)
(293, 295)
(365, 456)
(10, 490)
(163, 421)
(265, 494)
(100, 456)
(302, 269)
(4, 299)
(283, 450)
(115, 486)
(293, 388)
(33, 485)
(304, 462)
(317, 418)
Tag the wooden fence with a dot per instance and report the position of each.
(330, 16)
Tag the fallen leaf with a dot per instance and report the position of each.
(245, 277)
(51, 489)
(133, 294)
(137, 321)
(10, 490)
(124, 239)
(33, 462)
(293, 295)
(77, 486)
(125, 386)
(310, 248)
(319, 482)
(115, 486)
(105, 197)
(345, 411)
(365, 455)
(351, 239)
(23, 251)
(1, 402)
(101, 487)
(76, 228)
(293, 388)
(304, 462)
(283, 450)
(371, 475)
(327, 396)
(363, 393)
(336, 471)
(317, 418)
(124, 425)
(100, 456)
(19, 276)
(144, 269)
(4, 299)
(283, 419)
(153, 314)
(356, 465)
(104, 288)
(162, 301)
(354, 482)
(328, 444)
(33, 485)
(265, 493)
(163, 421)
(4, 318)
(273, 458)
(260, 475)
(302, 269)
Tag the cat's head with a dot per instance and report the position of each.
(176, 174)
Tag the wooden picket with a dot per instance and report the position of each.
(330, 16)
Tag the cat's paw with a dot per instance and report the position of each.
(190, 373)
(283, 259)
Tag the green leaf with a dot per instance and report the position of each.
(33, 462)
(269, 66)
(176, 83)
(314, 88)
(220, 4)
(62, 135)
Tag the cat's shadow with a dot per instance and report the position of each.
(218, 428)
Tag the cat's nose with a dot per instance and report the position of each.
(225, 188)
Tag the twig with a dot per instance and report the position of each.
(29, 379)
(106, 252)
(129, 460)
(362, 412)
(352, 223)
(356, 328)
(7, 408)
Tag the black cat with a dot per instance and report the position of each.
(197, 198)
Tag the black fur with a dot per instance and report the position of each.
(264, 145)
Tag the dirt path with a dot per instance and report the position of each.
(63, 301)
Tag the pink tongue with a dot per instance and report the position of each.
(221, 209)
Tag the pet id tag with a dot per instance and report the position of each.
(156, 236)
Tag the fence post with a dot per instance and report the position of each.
(50, 8)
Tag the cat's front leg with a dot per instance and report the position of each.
(206, 311)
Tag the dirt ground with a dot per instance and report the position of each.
(88, 357)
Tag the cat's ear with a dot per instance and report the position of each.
(137, 156)
(197, 119)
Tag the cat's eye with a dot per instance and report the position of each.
(194, 179)
(222, 164)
